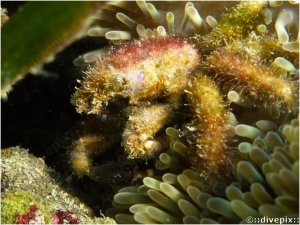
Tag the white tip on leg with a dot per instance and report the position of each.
(152, 146)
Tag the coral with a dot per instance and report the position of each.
(26, 181)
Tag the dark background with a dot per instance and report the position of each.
(38, 116)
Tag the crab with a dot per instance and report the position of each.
(142, 86)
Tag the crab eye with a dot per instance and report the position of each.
(104, 117)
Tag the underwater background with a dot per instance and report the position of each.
(38, 115)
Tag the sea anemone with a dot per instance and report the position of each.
(118, 21)
(259, 190)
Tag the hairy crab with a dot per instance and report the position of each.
(181, 79)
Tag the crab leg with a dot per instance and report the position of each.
(139, 138)
(210, 128)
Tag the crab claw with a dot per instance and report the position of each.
(139, 138)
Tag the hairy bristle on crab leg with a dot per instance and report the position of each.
(210, 127)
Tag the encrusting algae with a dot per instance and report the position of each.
(30, 194)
